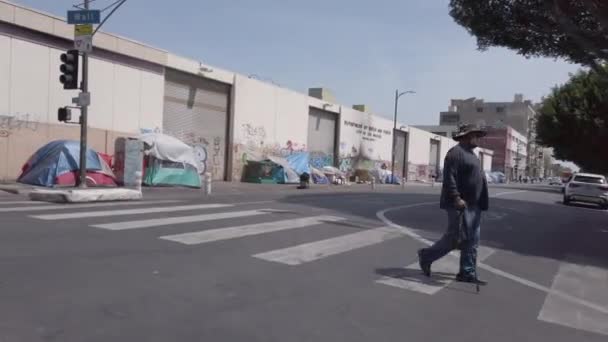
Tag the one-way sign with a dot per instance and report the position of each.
(84, 17)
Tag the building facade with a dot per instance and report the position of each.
(227, 117)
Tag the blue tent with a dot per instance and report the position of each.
(58, 162)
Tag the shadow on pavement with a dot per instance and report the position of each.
(528, 228)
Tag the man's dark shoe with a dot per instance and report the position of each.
(424, 266)
(464, 278)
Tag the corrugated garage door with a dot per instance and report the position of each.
(434, 158)
(400, 153)
(196, 112)
(321, 137)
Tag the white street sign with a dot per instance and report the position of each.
(83, 43)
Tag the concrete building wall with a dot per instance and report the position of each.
(124, 100)
(267, 121)
(365, 140)
(516, 114)
(127, 86)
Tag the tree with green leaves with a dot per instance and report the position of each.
(574, 121)
(575, 30)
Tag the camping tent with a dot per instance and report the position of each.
(169, 162)
(283, 173)
(57, 164)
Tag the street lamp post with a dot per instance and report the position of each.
(397, 96)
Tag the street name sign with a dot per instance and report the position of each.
(84, 17)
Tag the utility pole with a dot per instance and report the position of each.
(83, 116)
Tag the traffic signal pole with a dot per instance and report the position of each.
(82, 183)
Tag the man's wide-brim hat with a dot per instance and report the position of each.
(466, 129)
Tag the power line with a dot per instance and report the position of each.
(110, 6)
(79, 6)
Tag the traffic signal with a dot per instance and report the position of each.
(64, 114)
(69, 69)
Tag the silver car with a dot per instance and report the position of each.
(588, 188)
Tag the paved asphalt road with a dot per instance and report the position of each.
(298, 266)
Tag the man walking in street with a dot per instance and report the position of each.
(464, 196)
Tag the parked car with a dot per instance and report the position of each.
(587, 187)
(555, 181)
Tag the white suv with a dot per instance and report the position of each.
(587, 187)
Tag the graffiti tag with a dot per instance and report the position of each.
(10, 124)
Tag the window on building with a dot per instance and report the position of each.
(479, 109)
(500, 109)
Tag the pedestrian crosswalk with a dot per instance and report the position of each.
(219, 226)
(247, 230)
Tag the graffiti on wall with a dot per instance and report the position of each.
(10, 124)
(318, 160)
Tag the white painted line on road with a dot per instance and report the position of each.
(182, 219)
(411, 233)
(22, 202)
(442, 274)
(509, 193)
(68, 206)
(588, 282)
(308, 252)
(247, 230)
(129, 211)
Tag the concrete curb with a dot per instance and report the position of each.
(16, 189)
(85, 195)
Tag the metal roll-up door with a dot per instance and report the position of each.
(196, 112)
(321, 137)
(400, 153)
(434, 158)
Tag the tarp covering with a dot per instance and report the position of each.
(167, 173)
(168, 148)
(284, 174)
(318, 177)
(57, 164)
(169, 162)
(299, 162)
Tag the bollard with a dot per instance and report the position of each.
(403, 183)
(373, 183)
(138, 180)
(207, 183)
(356, 179)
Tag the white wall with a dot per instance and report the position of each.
(266, 117)
(372, 140)
(123, 99)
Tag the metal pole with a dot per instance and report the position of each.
(83, 116)
(394, 137)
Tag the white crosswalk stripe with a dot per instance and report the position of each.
(247, 230)
(585, 282)
(84, 205)
(411, 278)
(3, 203)
(308, 252)
(137, 211)
(149, 223)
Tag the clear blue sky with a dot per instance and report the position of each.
(362, 50)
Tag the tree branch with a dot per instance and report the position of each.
(572, 30)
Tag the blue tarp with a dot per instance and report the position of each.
(298, 161)
(55, 159)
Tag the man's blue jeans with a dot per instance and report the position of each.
(468, 252)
